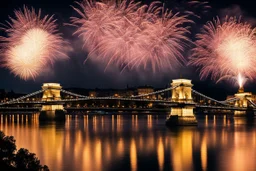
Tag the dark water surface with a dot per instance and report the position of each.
(136, 142)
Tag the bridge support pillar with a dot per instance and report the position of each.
(183, 113)
(243, 102)
(51, 110)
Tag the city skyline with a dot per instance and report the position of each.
(76, 73)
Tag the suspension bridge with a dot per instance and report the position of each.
(52, 101)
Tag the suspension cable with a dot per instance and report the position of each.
(72, 94)
(156, 92)
(22, 97)
(209, 98)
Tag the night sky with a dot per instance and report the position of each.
(76, 73)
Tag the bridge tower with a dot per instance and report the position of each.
(52, 110)
(182, 114)
(242, 101)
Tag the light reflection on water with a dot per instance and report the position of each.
(136, 142)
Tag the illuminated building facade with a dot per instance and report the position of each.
(146, 90)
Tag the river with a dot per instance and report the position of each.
(136, 142)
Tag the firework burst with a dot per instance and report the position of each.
(130, 34)
(31, 43)
(226, 50)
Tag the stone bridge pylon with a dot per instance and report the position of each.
(51, 108)
(243, 101)
(182, 114)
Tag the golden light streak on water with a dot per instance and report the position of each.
(136, 122)
(206, 120)
(204, 154)
(98, 155)
(119, 123)
(241, 157)
(133, 155)
(22, 118)
(160, 154)
(149, 121)
(67, 124)
(102, 122)
(120, 147)
(182, 154)
(67, 141)
(95, 124)
(86, 122)
(108, 153)
(87, 159)
(133, 121)
(78, 145)
(113, 122)
(54, 144)
(76, 121)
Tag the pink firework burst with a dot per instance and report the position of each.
(32, 43)
(130, 34)
(225, 50)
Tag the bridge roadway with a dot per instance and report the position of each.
(201, 106)
(104, 109)
(165, 107)
(86, 99)
(52, 102)
(84, 109)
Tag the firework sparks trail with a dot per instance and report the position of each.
(225, 50)
(193, 8)
(240, 80)
(32, 43)
(132, 35)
